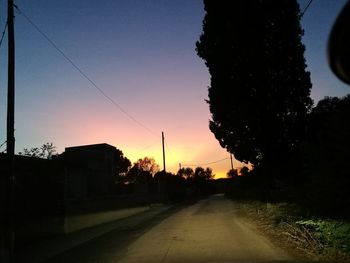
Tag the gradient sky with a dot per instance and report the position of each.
(141, 53)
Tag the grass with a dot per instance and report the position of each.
(334, 234)
(319, 239)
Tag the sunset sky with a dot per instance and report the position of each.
(141, 54)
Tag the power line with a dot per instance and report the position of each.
(306, 8)
(202, 164)
(167, 147)
(3, 34)
(84, 74)
(3, 144)
(148, 146)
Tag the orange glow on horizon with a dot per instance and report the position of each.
(181, 147)
(172, 160)
(220, 174)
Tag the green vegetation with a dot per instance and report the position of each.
(331, 233)
(293, 226)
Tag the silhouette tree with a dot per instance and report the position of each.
(325, 179)
(232, 173)
(147, 164)
(181, 172)
(203, 174)
(259, 94)
(209, 173)
(142, 170)
(122, 163)
(188, 172)
(244, 171)
(171, 185)
(200, 181)
(46, 151)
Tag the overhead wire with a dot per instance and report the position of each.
(3, 144)
(167, 147)
(82, 73)
(148, 146)
(202, 164)
(306, 8)
(3, 34)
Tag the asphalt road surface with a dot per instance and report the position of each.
(208, 231)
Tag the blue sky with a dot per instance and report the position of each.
(317, 23)
(142, 54)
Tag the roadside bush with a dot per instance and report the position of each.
(333, 234)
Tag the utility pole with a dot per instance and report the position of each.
(163, 152)
(7, 237)
(10, 216)
(231, 161)
(179, 166)
(11, 83)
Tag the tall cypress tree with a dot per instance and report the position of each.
(259, 95)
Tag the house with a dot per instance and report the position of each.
(89, 170)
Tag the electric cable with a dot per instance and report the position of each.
(306, 8)
(202, 164)
(3, 34)
(3, 144)
(82, 73)
(167, 147)
(147, 146)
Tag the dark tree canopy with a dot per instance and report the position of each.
(259, 95)
(325, 178)
(186, 173)
(46, 151)
(203, 174)
(122, 163)
(232, 173)
(147, 164)
(142, 170)
(200, 173)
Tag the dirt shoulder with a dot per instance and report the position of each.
(287, 227)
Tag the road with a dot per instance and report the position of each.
(209, 231)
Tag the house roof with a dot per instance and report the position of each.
(100, 146)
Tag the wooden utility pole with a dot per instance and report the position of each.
(163, 152)
(11, 83)
(231, 161)
(8, 235)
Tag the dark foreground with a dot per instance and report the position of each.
(209, 231)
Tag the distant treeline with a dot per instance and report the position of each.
(145, 176)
